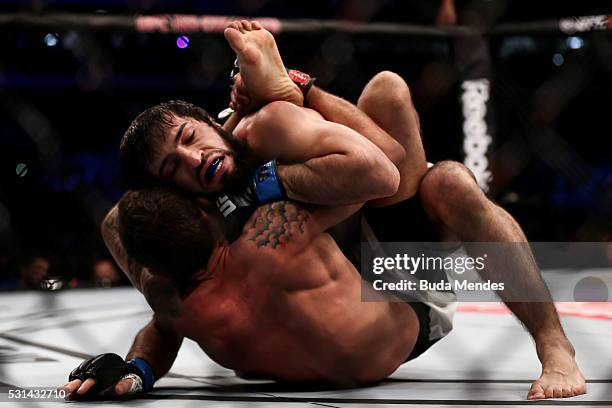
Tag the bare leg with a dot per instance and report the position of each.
(386, 100)
(459, 208)
(461, 211)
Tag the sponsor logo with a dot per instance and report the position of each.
(476, 138)
(225, 205)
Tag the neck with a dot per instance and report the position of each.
(217, 258)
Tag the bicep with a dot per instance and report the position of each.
(292, 134)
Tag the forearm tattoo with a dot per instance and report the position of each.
(276, 223)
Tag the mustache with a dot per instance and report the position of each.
(204, 158)
(245, 160)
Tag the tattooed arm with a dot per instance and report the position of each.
(278, 224)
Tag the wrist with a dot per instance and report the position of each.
(148, 377)
(267, 183)
(311, 97)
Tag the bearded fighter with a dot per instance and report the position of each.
(560, 375)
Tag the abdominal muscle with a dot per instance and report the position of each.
(306, 322)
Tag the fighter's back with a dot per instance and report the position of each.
(284, 303)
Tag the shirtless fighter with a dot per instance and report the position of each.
(448, 193)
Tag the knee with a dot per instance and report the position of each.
(450, 189)
(386, 86)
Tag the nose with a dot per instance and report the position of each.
(190, 157)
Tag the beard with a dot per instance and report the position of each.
(245, 162)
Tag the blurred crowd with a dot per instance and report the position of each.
(39, 270)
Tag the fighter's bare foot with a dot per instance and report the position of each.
(561, 377)
(261, 66)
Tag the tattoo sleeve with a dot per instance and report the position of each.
(276, 224)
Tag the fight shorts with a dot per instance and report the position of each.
(406, 221)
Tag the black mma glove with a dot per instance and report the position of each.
(108, 369)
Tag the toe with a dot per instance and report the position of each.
(238, 26)
(557, 392)
(549, 392)
(256, 25)
(235, 39)
(536, 392)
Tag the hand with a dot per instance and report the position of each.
(239, 97)
(77, 389)
(107, 376)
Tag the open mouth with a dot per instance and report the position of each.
(213, 168)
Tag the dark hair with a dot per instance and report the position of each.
(137, 145)
(165, 232)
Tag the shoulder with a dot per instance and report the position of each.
(281, 225)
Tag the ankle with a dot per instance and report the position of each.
(554, 343)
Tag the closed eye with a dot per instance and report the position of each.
(190, 138)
